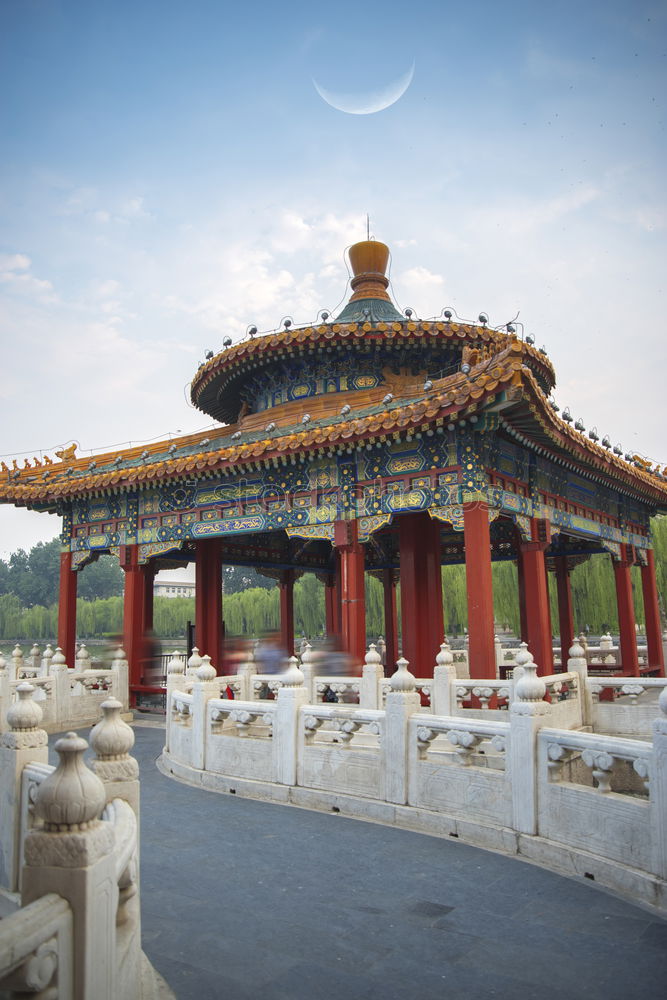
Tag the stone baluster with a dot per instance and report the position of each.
(205, 687)
(576, 664)
(658, 789)
(308, 659)
(194, 663)
(443, 700)
(73, 856)
(47, 657)
(402, 702)
(382, 649)
(17, 663)
(371, 675)
(112, 739)
(291, 696)
(528, 714)
(23, 743)
(602, 765)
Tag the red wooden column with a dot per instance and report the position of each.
(481, 639)
(422, 628)
(538, 613)
(565, 613)
(626, 615)
(149, 573)
(353, 598)
(330, 612)
(656, 656)
(523, 626)
(287, 611)
(390, 621)
(208, 600)
(67, 609)
(134, 606)
(433, 568)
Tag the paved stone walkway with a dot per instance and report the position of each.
(244, 899)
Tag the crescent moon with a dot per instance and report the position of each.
(370, 102)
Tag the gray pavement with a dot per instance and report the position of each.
(245, 899)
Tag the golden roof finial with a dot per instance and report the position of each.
(369, 260)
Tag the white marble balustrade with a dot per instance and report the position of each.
(69, 861)
(512, 777)
(68, 698)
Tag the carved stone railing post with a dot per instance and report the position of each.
(121, 678)
(47, 656)
(245, 673)
(112, 739)
(194, 663)
(175, 682)
(576, 664)
(291, 696)
(58, 662)
(500, 654)
(308, 657)
(658, 789)
(372, 674)
(402, 702)
(35, 659)
(528, 714)
(17, 663)
(82, 658)
(61, 682)
(73, 856)
(204, 688)
(443, 700)
(22, 743)
(5, 692)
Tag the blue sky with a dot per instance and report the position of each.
(170, 174)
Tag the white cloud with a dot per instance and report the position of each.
(89, 203)
(10, 262)
(15, 273)
(419, 277)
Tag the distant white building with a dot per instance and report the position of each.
(173, 588)
(175, 582)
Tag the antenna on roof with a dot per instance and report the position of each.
(368, 226)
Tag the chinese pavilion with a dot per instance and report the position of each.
(372, 442)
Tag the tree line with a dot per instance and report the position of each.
(251, 609)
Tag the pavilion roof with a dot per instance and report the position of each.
(212, 385)
(499, 382)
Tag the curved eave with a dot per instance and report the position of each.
(531, 417)
(449, 395)
(213, 387)
(502, 382)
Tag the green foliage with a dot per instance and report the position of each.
(659, 527)
(101, 579)
(34, 576)
(237, 578)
